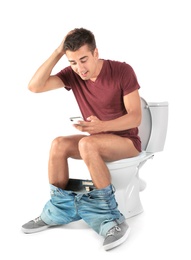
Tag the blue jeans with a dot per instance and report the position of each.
(98, 208)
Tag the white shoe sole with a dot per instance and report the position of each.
(34, 230)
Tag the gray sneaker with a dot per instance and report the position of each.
(116, 236)
(35, 225)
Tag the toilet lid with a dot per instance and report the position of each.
(145, 126)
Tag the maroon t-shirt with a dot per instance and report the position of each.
(104, 97)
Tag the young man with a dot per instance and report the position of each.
(107, 95)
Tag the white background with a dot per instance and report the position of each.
(154, 38)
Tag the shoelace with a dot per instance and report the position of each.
(37, 219)
(112, 231)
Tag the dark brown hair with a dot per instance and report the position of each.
(79, 37)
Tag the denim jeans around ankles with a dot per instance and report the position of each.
(98, 208)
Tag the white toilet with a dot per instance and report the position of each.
(125, 173)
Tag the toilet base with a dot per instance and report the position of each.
(138, 210)
(129, 203)
(128, 211)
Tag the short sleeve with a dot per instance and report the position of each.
(129, 81)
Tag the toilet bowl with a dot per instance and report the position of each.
(125, 173)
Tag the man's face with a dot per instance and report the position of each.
(83, 62)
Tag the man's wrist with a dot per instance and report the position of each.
(59, 52)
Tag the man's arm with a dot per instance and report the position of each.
(132, 104)
(42, 80)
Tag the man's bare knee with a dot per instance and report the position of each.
(61, 147)
(87, 146)
(66, 146)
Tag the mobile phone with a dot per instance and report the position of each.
(75, 119)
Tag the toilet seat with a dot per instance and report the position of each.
(130, 161)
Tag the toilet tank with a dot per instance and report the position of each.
(159, 123)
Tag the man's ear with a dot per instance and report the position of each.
(96, 53)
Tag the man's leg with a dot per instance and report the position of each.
(99, 207)
(60, 209)
(97, 149)
(62, 148)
